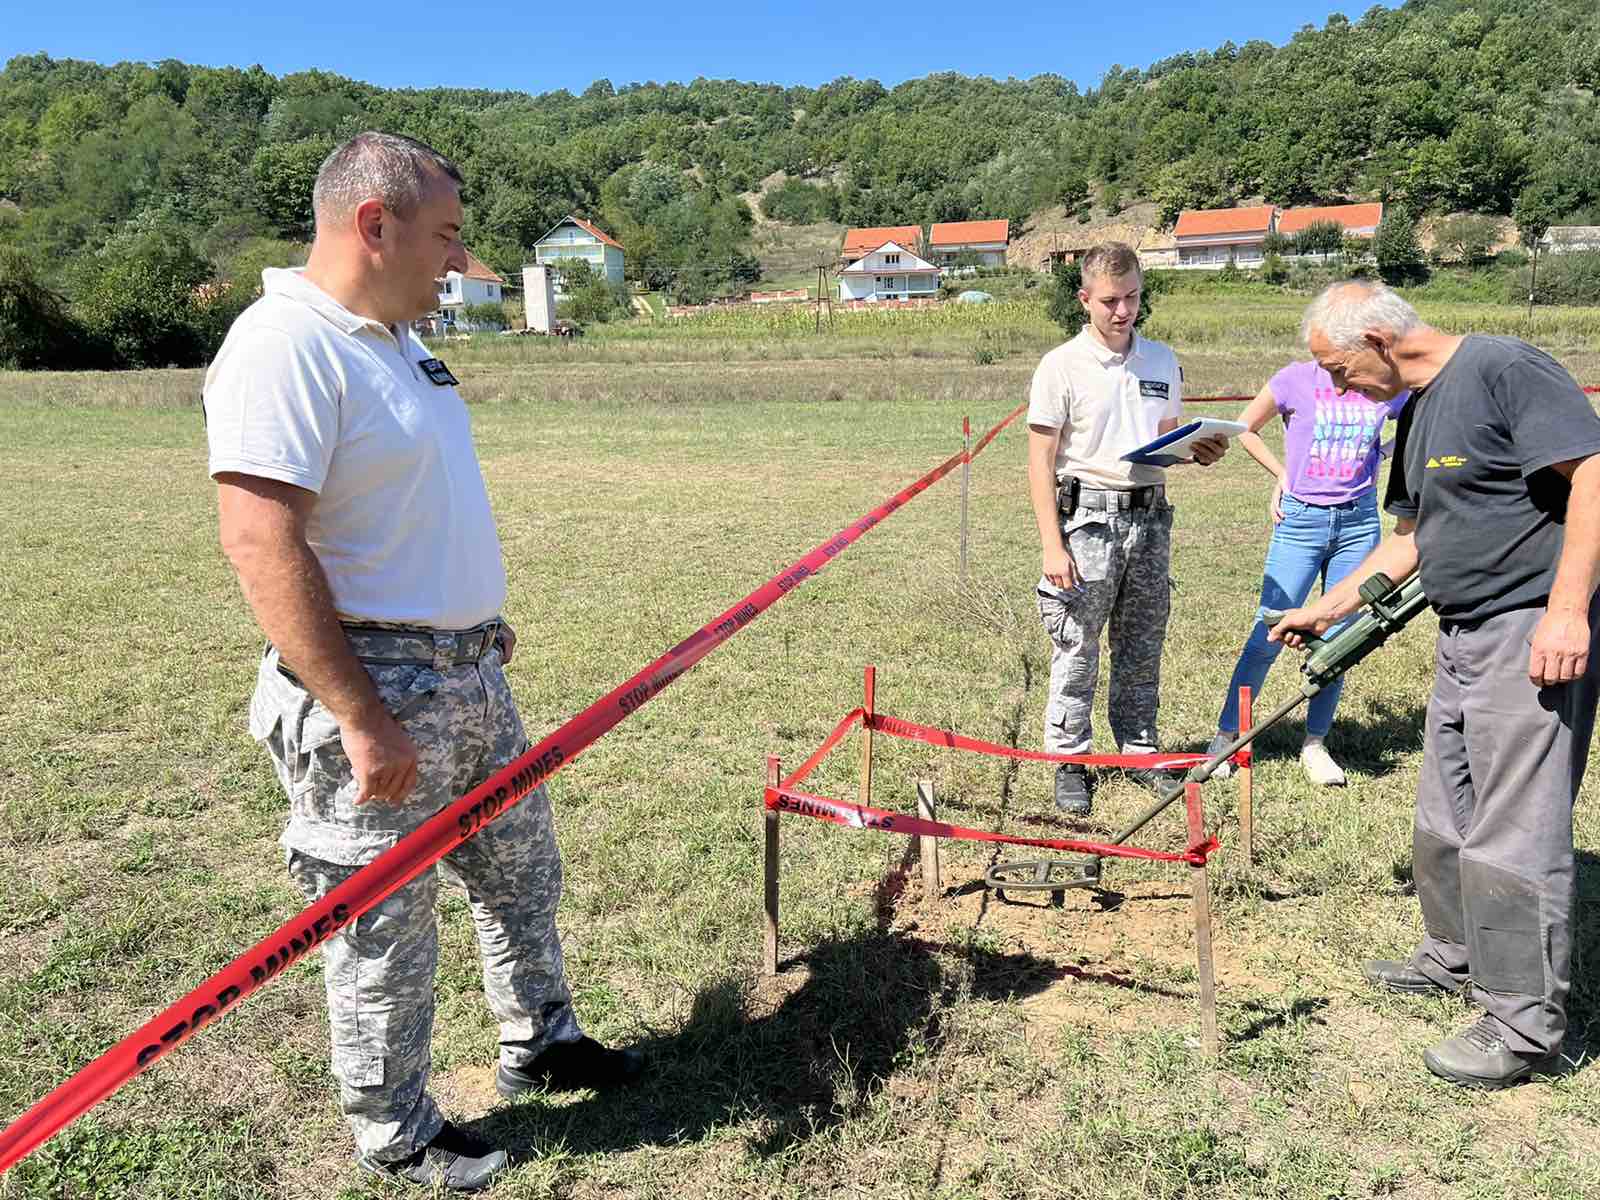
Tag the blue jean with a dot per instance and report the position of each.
(1312, 541)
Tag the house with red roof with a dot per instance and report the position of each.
(858, 243)
(478, 284)
(889, 272)
(1212, 237)
(981, 242)
(1357, 220)
(573, 237)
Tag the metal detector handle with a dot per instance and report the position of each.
(1273, 615)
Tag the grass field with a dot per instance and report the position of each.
(950, 1046)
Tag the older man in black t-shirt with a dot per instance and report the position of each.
(1496, 488)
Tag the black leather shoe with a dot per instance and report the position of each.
(570, 1066)
(1072, 790)
(454, 1160)
(1478, 1057)
(1155, 780)
(1401, 977)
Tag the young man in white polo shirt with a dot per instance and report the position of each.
(352, 507)
(1104, 524)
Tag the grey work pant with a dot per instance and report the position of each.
(1492, 847)
(1124, 560)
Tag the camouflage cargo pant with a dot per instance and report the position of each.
(1123, 559)
(379, 970)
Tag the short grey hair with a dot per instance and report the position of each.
(1344, 311)
(390, 167)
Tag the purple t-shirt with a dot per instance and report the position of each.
(1330, 442)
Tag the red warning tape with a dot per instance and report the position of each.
(856, 816)
(425, 845)
(895, 727)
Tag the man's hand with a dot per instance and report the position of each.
(1560, 650)
(1060, 570)
(1209, 450)
(383, 758)
(507, 641)
(1296, 625)
(1276, 505)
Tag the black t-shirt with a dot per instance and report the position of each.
(1470, 465)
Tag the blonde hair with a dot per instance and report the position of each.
(1108, 260)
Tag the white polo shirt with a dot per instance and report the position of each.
(1105, 404)
(306, 392)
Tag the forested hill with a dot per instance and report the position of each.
(1448, 104)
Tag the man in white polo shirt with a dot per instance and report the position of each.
(1104, 524)
(352, 507)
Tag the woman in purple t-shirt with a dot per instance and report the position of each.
(1325, 521)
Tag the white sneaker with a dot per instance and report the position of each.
(1218, 744)
(1319, 766)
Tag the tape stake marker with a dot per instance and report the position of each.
(426, 844)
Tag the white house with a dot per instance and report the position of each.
(984, 242)
(891, 272)
(1211, 237)
(476, 285)
(574, 237)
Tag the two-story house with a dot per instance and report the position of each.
(573, 237)
(1210, 237)
(982, 243)
(860, 242)
(889, 272)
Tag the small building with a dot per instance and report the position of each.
(861, 242)
(982, 243)
(1209, 238)
(1357, 220)
(889, 272)
(573, 237)
(1570, 239)
(478, 284)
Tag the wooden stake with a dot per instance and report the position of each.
(869, 700)
(929, 849)
(1201, 889)
(769, 955)
(1247, 819)
(966, 487)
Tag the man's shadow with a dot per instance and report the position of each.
(868, 1006)
(1583, 1004)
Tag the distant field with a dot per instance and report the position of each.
(950, 1046)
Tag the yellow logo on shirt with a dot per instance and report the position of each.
(1447, 460)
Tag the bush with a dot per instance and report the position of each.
(488, 315)
(1272, 269)
(1568, 279)
(1320, 237)
(1395, 247)
(141, 296)
(1466, 238)
(801, 203)
(36, 330)
(589, 297)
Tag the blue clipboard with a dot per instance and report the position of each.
(1171, 448)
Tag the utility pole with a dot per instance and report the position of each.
(1533, 280)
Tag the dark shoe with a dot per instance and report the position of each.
(1478, 1057)
(1156, 780)
(454, 1160)
(1072, 790)
(569, 1066)
(1401, 977)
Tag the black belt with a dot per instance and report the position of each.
(1073, 494)
(389, 645)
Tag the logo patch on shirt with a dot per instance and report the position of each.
(1154, 387)
(437, 372)
(1446, 460)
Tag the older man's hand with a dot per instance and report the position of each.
(1559, 652)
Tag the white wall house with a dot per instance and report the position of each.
(982, 242)
(476, 285)
(891, 272)
(1570, 239)
(576, 238)
(1208, 238)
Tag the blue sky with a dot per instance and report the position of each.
(539, 47)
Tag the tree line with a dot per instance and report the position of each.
(1440, 105)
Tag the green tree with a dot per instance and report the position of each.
(1395, 247)
(282, 174)
(1465, 238)
(1320, 237)
(36, 330)
(140, 296)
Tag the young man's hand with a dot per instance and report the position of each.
(1060, 570)
(1209, 450)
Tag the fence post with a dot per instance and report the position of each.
(1247, 819)
(966, 487)
(1200, 885)
(929, 847)
(769, 955)
(868, 705)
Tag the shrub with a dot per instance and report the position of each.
(801, 203)
(141, 296)
(488, 315)
(1395, 247)
(589, 297)
(1466, 238)
(1320, 237)
(36, 330)
(1272, 269)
